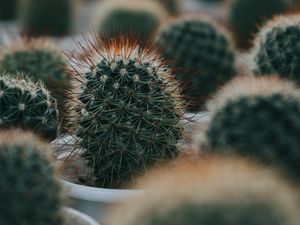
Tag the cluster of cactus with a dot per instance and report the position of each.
(29, 191)
(8, 9)
(277, 49)
(28, 105)
(39, 59)
(246, 16)
(204, 194)
(130, 112)
(258, 119)
(46, 17)
(202, 52)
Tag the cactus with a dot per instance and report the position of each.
(129, 112)
(46, 17)
(213, 191)
(262, 125)
(133, 19)
(27, 105)
(277, 50)
(204, 54)
(246, 16)
(39, 59)
(8, 9)
(29, 192)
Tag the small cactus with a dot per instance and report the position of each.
(277, 49)
(129, 112)
(212, 191)
(203, 52)
(8, 9)
(246, 16)
(29, 191)
(28, 105)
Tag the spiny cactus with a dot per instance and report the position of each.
(204, 54)
(39, 59)
(8, 9)
(129, 112)
(136, 19)
(262, 125)
(246, 16)
(212, 191)
(29, 192)
(27, 105)
(277, 48)
(46, 17)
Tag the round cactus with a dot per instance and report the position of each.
(8, 9)
(277, 49)
(129, 112)
(27, 105)
(246, 16)
(29, 191)
(204, 54)
(263, 125)
(46, 17)
(133, 19)
(213, 191)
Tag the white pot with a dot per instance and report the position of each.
(74, 217)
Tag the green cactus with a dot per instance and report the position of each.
(277, 50)
(29, 191)
(42, 62)
(246, 16)
(129, 113)
(8, 9)
(27, 105)
(202, 52)
(46, 17)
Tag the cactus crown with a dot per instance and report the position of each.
(28, 187)
(27, 105)
(277, 50)
(130, 111)
(211, 58)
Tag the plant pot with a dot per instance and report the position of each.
(74, 217)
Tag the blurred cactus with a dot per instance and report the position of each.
(204, 54)
(8, 9)
(27, 105)
(246, 16)
(29, 191)
(277, 49)
(129, 112)
(46, 17)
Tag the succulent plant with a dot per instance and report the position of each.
(258, 119)
(130, 112)
(203, 52)
(39, 59)
(246, 16)
(46, 17)
(28, 105)
(219, 191)
(29, 191)
(8, 9)
(277, 49)
(134, 19)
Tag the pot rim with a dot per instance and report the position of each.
(81, 215)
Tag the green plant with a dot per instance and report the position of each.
(39, 59)
(27, 105)
(211, 192)
(246, 16)
(8, 9)
(204, 54)
(29, 192)
(46, 17)
(129, 112)
(277, 49)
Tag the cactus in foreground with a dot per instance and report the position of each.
(29, 191)
(8, 9)
(204, 54)
(277, 48)
(133, 19)
(263, 126)
(246, 16)
(210, 192)
(28, 105)
(46, 17)
(129, 112)
(39, 59)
